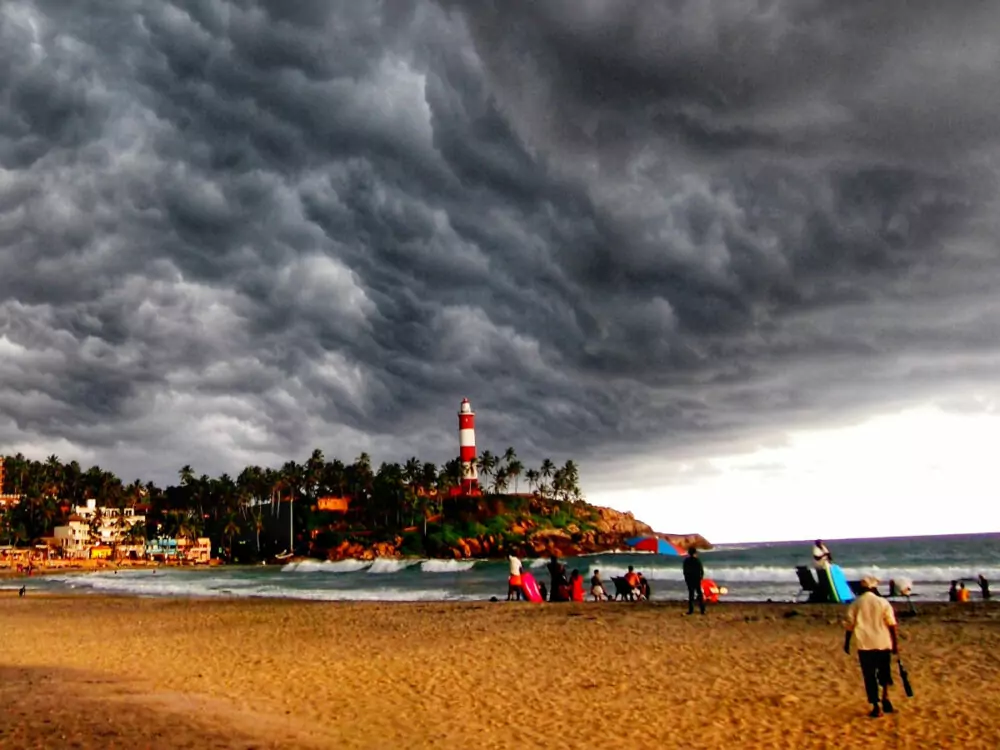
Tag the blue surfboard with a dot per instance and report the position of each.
(838, 582)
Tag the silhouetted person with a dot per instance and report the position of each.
(984, 586)
(560, 586)
(694, 573)
(644, 587)
(953, 592)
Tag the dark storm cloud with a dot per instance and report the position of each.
(232, 231)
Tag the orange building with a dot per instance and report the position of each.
(333, 504)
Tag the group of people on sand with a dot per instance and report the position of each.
(569, 586)
(633, 586)
(957, 593)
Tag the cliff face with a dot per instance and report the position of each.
(529, 526)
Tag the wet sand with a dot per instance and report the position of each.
(88, 672)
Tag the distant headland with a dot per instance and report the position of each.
(320, 508)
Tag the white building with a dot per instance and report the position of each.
(89, 525)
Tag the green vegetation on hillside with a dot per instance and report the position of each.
(264, 511)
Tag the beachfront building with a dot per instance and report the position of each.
(90, 525)
(7, 499)
(162, 549)
(168, 549)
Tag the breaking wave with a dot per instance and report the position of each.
(447, 566)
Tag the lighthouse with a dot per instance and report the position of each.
(467, 448)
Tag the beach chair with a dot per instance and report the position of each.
(622, 589)
(808, 583)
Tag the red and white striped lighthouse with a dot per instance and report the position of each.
(467, 447)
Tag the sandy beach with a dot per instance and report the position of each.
(88, 672)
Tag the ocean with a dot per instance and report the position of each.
(750, 572)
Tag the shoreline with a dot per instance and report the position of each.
(234, 673)
(801, 608)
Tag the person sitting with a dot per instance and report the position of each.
(984, 586)
(632, 581)
(821, 556)
(576, 586)
(963, 593)
(643, 587)
(597, 587)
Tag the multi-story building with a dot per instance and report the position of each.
(6, 499)
(90, 525)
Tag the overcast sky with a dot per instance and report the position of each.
(708, 250)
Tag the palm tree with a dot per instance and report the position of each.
(487, 462)
(136, 535)
(231, 529)
(532, 475)
(500, 481)
(509, 456)
(293, 477)
(514, 469)
(546, 471)
(313, 473)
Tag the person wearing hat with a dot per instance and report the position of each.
(871, 622)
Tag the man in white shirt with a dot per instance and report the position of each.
(514, 582)
(871, 621)
(821, 556)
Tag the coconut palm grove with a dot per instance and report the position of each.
(263, 512)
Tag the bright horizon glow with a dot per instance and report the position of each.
(923, 472)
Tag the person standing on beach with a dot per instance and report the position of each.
(694, 573)
(514, 581)
(597, 587)
(984, 586)
(560, 586)
(871, 621)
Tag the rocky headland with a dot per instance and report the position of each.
(497, 525)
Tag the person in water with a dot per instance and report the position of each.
(963, 593)
(871, 622)
(514, 582)
(694, 574)
(984, 586)
(597, 589)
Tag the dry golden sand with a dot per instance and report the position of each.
(82, 672)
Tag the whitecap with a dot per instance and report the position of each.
(446, 566)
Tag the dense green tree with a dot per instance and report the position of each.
(263, 511)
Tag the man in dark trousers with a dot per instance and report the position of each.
(871, 622)
(693, 575)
